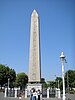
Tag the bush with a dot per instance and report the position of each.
(72, 92)
(2, 90)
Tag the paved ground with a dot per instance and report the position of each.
(69, 97)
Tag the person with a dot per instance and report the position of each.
(38, 94)
(20, 97)
(34, 95)
(31, 94)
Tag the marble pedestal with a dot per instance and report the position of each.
(36, 86)
(57, 92)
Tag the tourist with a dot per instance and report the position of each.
(34, 95)
(38, 94)
(20, 97)
(31, 94)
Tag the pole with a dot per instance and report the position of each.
(55, 81)
(63, 80)
(58, 84)
(67, 83)
(8, 83)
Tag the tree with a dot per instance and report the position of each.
(51, 84)
(61, 85)
(21, 80)
(58, 79)
(12, 77)
(5, 73)
(70, 77)
(42, 80)
(73, 84)
(2, 75)
(44, 84)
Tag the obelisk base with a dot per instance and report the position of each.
(36, 86)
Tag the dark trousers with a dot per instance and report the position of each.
(31, 97)
(38, 97)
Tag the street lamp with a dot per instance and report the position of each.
(62, 58)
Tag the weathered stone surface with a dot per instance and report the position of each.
(34, 56)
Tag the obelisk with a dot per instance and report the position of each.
(34, 53)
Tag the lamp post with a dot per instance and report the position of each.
(8, 83)
(62, 58)
(67, 83)
(58, 84)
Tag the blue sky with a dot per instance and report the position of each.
(57, 22)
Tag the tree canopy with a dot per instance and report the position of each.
(5, 73)
(70, 78)
(21, 80)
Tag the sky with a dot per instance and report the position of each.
(57, 28)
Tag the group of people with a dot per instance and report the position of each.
(34, 94)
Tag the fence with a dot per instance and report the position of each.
(52, 93)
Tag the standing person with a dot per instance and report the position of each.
(34, 95)
(20, 97)
(31, 94)
(38, 94)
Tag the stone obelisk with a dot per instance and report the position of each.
(34, 76)
(34, 56)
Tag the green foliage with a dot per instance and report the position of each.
(58, 78)
(51, 84)
(54, 84)
(42, 80)
(61, 85)
(60, 81)
(21, 80)
(72, 92)
(44, 84)
(5, 73)
(2, 75)
(73, 84)
(70, 77)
